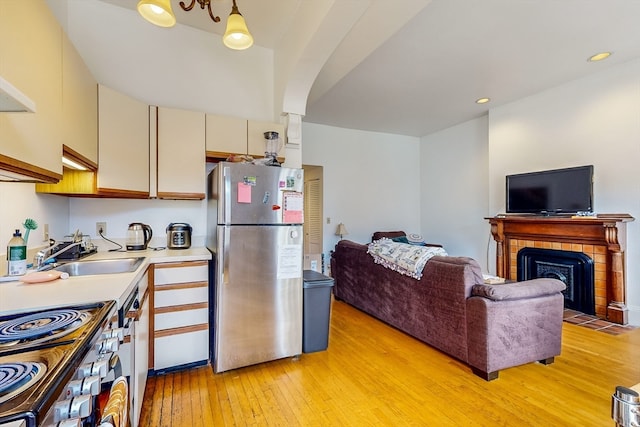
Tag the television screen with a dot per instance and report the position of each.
(555, 191)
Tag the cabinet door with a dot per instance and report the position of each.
(79, 103)
(31, 60)
(123, 143)
(141, 359)
(181, 154)
(226, 135)
(180, 311)
(255, 135)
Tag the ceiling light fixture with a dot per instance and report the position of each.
(157, 12)
(236, 36)
(599, 56)
(203, 4)
(482, 100)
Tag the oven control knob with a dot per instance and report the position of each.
(77, 407)
(108, 345)
(88, 385)
(114, 333)
(98, 368)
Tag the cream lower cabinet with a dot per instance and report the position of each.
(180, 324)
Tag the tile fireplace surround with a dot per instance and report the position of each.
(602, 238)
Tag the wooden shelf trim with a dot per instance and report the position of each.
(183, 307)
(185, 285)
(181, 330)
(28, 172)
(179, 264)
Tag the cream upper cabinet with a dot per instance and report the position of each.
(226, 135)
(79, 104)
(255, 137)
(31, 60)
(123, 144)
(181, 168)
(231, 135)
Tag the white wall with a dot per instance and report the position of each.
(18, 201)
(454, 182)
(119, 213)
(84, 213)
(595, 121)
(371, 180)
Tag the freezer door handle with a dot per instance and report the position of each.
(227, 194)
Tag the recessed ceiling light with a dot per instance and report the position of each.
(482, 100)
(599, 56)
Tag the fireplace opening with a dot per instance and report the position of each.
(575, 269)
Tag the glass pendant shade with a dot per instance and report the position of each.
(237, 35)
(157, 12)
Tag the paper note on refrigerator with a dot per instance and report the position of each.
(244, 193)
(293, 208)
(290, 261)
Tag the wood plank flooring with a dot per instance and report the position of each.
(374, 375)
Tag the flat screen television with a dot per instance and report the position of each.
(551, 192)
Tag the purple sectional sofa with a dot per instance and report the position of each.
(489, 327)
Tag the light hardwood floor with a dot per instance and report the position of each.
(374, 375)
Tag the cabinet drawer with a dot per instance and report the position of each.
(175, 350)
(180, 296)
(178, 319)
(163, 275)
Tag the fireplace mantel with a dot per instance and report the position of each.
(604, 234)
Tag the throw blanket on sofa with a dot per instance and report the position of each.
(401, 257)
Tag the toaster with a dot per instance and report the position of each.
(178, 235)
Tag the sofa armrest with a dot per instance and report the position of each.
(519, 290)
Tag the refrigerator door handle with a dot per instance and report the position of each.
(227, 194)
(225, 256)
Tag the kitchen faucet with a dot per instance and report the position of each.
(41, 257)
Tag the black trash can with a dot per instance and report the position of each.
(316, 310)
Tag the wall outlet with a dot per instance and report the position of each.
(45, 230)
(101, 228)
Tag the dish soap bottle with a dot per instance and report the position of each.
(17, 255)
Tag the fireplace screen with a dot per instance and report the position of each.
(575, 269)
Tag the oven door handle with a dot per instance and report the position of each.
(137, 312)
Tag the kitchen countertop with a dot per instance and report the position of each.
(18, 296)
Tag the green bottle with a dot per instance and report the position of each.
(17, 255)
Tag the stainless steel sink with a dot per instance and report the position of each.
(100, 266)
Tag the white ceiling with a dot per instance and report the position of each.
(426, 76)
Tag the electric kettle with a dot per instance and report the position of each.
(138, 236)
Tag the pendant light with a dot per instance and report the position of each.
(237, 35)
(157, 12)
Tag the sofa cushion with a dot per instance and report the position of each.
(519, 290)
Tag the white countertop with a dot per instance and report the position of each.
(18, 296)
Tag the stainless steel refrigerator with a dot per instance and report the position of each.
(254, 231)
